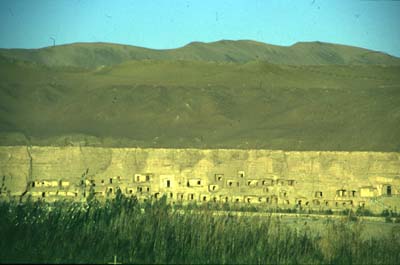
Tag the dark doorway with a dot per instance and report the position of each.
(168, 183)
(389, 190)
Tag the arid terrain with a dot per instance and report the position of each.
(226, 94)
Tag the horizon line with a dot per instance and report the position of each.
(200, 42)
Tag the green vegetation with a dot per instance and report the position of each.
(154, 232)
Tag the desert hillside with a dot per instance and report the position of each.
(226, 94)
(91, 55)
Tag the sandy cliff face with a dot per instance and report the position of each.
(312, 171)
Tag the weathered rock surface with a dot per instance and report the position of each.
(312, 171)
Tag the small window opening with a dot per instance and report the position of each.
(168, 183)
(318, 194)
(219, 177)
(341, 193)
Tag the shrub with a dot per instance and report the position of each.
(388, 219)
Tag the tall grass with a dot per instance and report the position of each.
(154, 232)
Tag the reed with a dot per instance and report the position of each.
(156, 233)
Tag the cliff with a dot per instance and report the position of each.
(286, 176)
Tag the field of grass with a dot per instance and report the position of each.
(154, 232)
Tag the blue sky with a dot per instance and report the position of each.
(169, 24)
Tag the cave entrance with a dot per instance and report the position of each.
(389, 190)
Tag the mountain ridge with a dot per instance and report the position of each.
(93, 55)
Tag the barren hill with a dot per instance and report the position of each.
(242, 94)
(91, 55)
